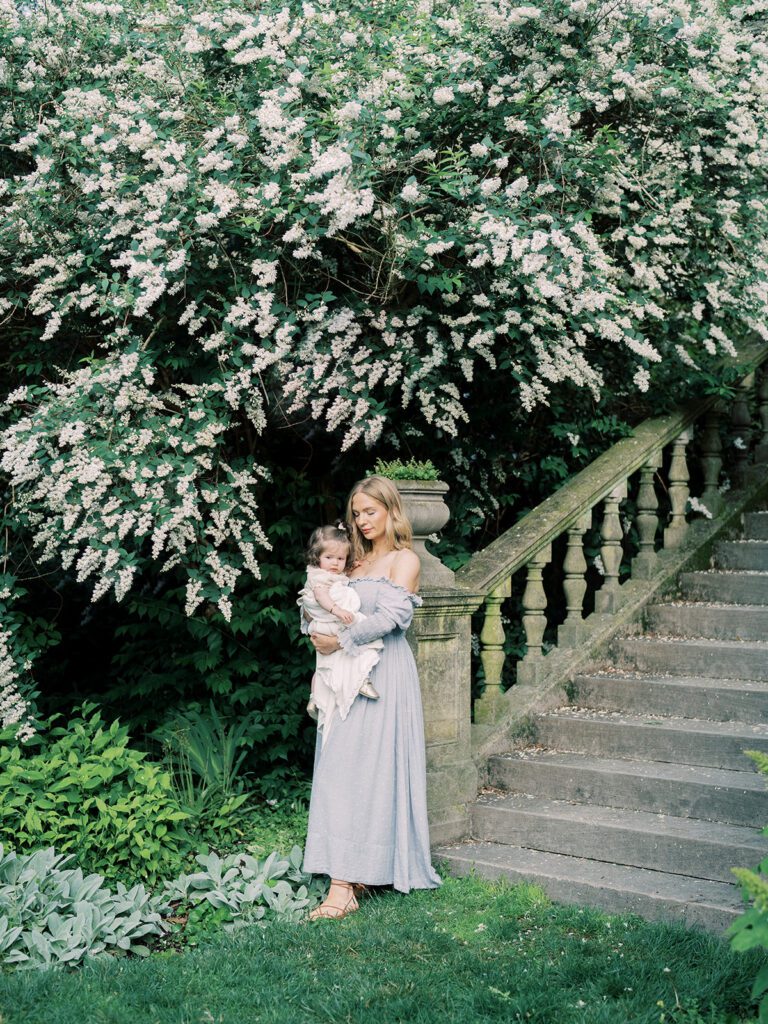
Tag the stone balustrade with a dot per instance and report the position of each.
(653, 462)
(616, 522)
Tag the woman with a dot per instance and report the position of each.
(368, 810)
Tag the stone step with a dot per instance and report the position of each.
(679, 790)
(729, 659)
(728, 587)
(715, 621)
(756, 526)
(683, 846)
(656, 895)
(742, 554)
(659, 738)
(719, 700)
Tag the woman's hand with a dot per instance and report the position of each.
(324, 644)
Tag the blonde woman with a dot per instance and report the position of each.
(368, 810)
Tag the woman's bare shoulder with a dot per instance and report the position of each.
(404, 569)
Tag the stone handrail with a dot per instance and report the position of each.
(605, 482)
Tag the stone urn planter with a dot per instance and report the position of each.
(428, 513)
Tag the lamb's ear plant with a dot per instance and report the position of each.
(242, 890)
(51, 914)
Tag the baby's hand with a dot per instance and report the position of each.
(346, 617)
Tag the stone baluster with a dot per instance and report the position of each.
(741, 430)
(647, 520)
(534, 618)
(712, 459)
(761, 452)
(678, 492)
(491, 704)
(607, 598)
(571, 632)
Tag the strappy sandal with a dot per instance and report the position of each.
(335, 911)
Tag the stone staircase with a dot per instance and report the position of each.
(638, 796)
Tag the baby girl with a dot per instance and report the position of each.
(327, 604)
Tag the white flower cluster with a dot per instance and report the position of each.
(268, 213)
(158, 485)
(14, 710)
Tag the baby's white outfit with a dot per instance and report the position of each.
(338, 676)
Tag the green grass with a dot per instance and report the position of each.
(469, 952)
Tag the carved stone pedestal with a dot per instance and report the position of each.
(440, 638)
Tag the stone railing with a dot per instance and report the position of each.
(667, 461)
(654, 459)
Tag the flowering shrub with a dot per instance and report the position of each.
(14, 710)
(221, 218)
(22, 639)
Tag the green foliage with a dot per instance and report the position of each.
(238, 890)
(52, 915)
(82, 789)
(691, 1011)
(750, 931)
(396, 469)
(278, 825)
(205, 755)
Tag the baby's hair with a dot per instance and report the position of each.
(324, 535)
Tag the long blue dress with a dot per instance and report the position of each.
(368, 810)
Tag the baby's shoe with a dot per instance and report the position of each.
(369, 690)
(312, 710)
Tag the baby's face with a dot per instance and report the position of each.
(333, 557)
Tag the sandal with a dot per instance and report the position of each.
(335, 911)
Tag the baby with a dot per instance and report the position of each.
(328, 603)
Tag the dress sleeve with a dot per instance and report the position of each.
(394, 610)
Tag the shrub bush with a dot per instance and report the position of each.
(83, 790)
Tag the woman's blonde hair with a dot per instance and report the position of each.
(399, 531)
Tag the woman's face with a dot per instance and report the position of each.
(370, 517)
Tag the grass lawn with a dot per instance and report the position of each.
(471, 951)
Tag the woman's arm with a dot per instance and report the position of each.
(393, 611)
